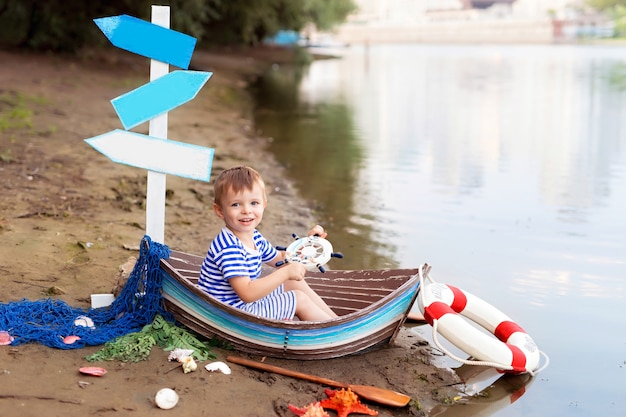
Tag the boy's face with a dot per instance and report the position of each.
(242, 212)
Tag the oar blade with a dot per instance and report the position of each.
(380, 395)
(375, 394)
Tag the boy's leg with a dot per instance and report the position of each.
(313, 296)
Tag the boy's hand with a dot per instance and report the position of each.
(295, 271)
(317, 230)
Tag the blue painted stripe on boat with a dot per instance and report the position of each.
(368, 324)
(299, 339)
(263, 334)
(231, 324)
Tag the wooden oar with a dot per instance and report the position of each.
(379, 395)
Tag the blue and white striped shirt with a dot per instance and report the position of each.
(227, 258)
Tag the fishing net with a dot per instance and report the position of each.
(54, 323)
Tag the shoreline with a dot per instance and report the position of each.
(69, 216)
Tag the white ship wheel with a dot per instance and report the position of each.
(311, 251)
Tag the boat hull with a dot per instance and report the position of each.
(372, 306)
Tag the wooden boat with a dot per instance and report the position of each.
(372, 305)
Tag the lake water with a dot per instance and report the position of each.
(504, 167)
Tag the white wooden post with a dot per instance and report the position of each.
(151, 102)
(155, 192)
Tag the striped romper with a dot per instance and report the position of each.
(227, 257)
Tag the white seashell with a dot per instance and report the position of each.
(84, 321)
(189, 365)
(218, 366)
(166, 398)
(179, 354)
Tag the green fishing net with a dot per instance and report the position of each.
(135, 347)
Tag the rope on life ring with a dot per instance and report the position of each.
(446, 308)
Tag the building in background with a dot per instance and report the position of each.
(472, 21)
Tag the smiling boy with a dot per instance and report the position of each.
(232, 267)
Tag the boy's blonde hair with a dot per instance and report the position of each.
(236, 179)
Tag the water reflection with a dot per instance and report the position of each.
(325, 138)
(397, 141)
(502, 166)
(485, 392)
(540, 285)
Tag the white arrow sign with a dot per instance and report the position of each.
(155, 154)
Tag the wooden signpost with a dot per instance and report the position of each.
(152, 101)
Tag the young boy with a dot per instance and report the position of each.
(230, 272)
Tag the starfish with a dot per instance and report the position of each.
(345, 402)
(311, 410)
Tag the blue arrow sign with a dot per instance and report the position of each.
(147, 39)
(155, 154)
(159, 96)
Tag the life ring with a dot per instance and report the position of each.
(446, 308)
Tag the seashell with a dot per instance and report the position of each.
(312, 410)
(189, 365)
(218, 366)
(84, 321)
(68, 340)
(179, 354)
(93, 371)
(5, 338)
(166, 398)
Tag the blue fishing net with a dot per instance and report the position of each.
(49, 321)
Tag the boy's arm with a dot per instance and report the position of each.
(280, 256)
(250, 290)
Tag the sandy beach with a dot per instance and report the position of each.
(69, 217)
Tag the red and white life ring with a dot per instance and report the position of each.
(446, 308)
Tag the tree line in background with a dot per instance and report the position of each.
(67, 25)
(615, 10)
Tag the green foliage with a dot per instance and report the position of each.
(619, 18)
(248, 23)
(605, 4)
(326, 14)
(189, 16)
(14, 112)
(51, 25)
(615, 9)
(6, 156)
(67, 25)
(135, 347)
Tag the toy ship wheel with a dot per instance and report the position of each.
(311, 251)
